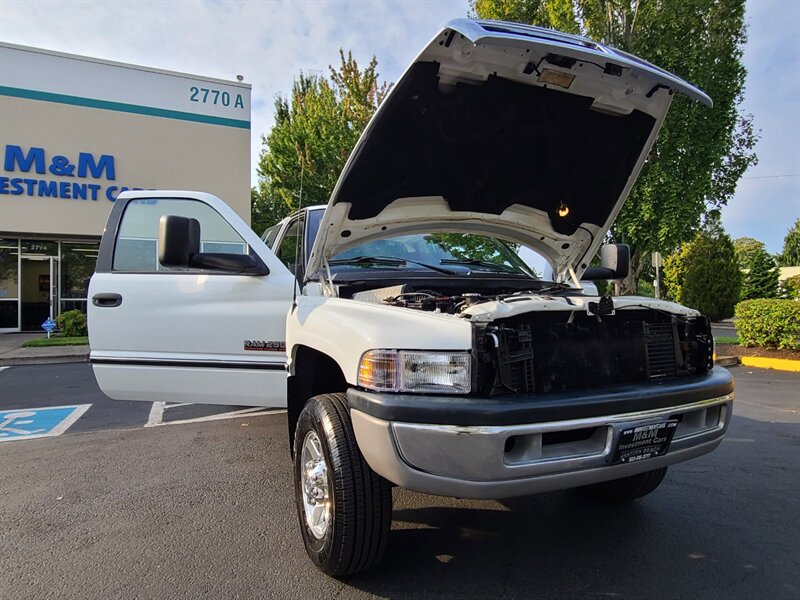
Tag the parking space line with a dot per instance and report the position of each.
(3, 368)
(156, 415)
(257, 411)
(156, 418)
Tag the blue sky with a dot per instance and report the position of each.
(270, 42)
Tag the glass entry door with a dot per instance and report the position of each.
(38, 286)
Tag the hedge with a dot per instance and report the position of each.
(769, 322)
(72, 323)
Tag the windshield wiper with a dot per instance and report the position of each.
(480, 263)
(555, 287)
(388, 260)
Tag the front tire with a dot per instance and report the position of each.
(344, 507)
(626, 489)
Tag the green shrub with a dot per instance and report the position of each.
(761, 281)
(704, 274)
(790, 288)
(72, 323)
(769, 322)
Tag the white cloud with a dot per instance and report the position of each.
(267, 42)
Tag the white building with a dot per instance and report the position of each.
(74, 133)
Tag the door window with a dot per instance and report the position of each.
(288, 251)
(270, 234)
(136, 248)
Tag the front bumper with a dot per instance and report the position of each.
(503, 456)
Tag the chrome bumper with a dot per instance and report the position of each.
(512, 460)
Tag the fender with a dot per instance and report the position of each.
(344, 329)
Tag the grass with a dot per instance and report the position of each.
(727, 340)
(57, 341)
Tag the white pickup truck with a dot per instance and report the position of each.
(407, 339)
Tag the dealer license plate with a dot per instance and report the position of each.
(641, 442)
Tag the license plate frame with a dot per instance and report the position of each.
(643, 441)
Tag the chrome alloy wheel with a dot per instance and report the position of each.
(316, 496)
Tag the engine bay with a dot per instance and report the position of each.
(555, 339)
(450, 299)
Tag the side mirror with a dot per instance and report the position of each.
(615, 262)
(179, 247)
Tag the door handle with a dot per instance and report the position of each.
(107, 300)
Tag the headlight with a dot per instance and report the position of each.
(415, 371)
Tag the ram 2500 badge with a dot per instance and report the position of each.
(420, 350)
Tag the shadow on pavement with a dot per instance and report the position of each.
(708, 532)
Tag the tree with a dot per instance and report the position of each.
(746, 249)
(704, 274)
(790, 288)
(315, 130)
(790, 256)
(701, 152)
(761, 280)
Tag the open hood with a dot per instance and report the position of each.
(507, 130)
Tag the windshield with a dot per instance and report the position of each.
(474, 252)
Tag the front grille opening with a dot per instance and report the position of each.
(564, 437)
(699, 421)
(661, 350)
(559, 352)
(555, 445)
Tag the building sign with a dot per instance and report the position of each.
(76, 131)
(35, 172)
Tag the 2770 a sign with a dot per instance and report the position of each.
(215, 97)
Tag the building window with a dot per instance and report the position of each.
(78, 261)
(39, 248)
(9, 284)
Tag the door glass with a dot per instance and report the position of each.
(288, 252)
(269, 235)
(137, 242)
(35, 292)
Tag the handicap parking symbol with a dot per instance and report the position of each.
(30, 423)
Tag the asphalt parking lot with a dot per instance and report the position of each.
(193, 508)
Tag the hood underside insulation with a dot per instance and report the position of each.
(486, 146)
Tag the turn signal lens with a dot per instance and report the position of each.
(378, 370)
(414, 371)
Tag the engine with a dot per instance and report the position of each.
(426, 299)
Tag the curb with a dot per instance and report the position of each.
(44, 359)
(727, 361)
(779, 364)
(759, 362)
